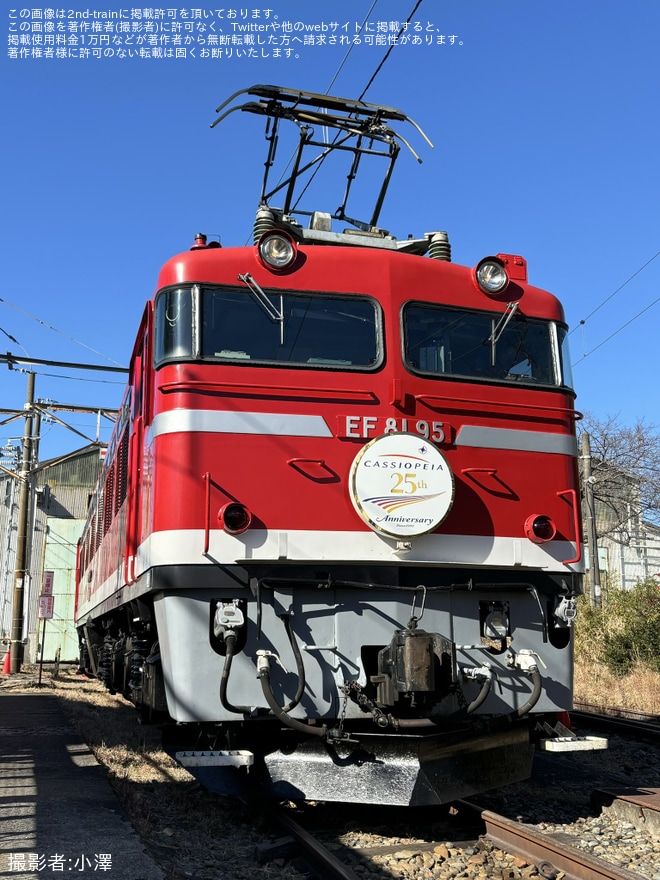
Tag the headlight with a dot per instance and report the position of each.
(277, 250)
(491, 276)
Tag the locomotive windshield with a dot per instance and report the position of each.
(484, 346)
(230, 324)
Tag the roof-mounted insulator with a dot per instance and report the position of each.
(264, 221)
(439, 247)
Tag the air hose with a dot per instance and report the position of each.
(263, 674)
(230, 642)
(536, 693)
(230, 638)
(299, 665)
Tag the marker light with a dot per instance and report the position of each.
(491, 276)
(540, 528)
(234, 518)
(277, 250)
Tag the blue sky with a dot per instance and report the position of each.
(544, 121)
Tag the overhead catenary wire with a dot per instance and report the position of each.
(350, 49)
(78, 378)
(618, 330)
(10, 337)
(61, 332)
(389, 49)
(366, 88)
(614, 293)
(606, 300)
(12, 360)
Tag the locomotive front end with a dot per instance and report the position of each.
(346, 554)
(371, 567)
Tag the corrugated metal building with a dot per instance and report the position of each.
(631, 556)
(60, 492)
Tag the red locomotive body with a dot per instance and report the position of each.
(328, 440)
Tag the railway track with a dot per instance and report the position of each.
(549, 854)
(622, 721)
(491, 836)
(532, 825)
(494, 836)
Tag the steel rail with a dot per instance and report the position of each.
(621, 724)
(317, 853)
(549, 853)
(589, 709)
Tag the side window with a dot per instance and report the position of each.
(565, 357)
(174, 325)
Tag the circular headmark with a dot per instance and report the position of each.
(401, 485)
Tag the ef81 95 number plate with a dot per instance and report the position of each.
(368, 427)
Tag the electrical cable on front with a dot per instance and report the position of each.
(77, 378)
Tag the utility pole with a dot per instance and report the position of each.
(32, 414)
(592, 539)
(16, 648)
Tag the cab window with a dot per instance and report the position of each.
(479, 345)
(310, 330)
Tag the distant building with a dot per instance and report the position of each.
(630, 556)
(628, 545)
(59, 497)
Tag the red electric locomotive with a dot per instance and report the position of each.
(337, 533)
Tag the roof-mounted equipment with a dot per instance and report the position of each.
(362, 129)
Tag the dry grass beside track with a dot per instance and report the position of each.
(594, 683)
(639, 691)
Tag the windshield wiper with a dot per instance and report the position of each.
(267, 305)
(500, 327)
